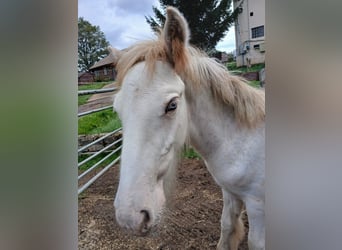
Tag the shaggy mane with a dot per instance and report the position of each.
(248, 103)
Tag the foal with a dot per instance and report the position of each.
(172, 93)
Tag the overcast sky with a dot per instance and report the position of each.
(123, 21)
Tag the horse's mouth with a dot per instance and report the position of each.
(148, 228)
(145, 230)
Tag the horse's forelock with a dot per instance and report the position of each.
(148, 51)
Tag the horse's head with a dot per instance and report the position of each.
(153, 112)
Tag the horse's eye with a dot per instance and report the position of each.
(171, 106)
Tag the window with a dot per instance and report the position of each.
(105, 71)
(251, 13)
(258, 31)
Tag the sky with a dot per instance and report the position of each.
(123, 21)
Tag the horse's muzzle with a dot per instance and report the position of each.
(137, 222)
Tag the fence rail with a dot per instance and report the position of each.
(113, 147)
(99, 152)
(98, 175)
(94, 111)
(98, 140)
(95, 91)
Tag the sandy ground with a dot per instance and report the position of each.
(191, 222)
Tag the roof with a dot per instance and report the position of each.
(82, 73)
(110, 59)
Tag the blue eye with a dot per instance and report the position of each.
(171, 106)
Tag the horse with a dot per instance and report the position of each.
(172, 94)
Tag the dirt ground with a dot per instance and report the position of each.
(191, 222)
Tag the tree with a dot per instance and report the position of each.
(208, 20)
(92, 44)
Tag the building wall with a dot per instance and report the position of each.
(86, 78)
(249, 50)
(106, 73)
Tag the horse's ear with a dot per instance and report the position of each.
(176, 37)
(115, 53)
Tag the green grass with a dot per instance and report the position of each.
(95, 85)
(84, 98)
(231, 66)
(190, 153)
(239, 70)
(256, 67)
(99, 122)
(90, 163)
(255, 84)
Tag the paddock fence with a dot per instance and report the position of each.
(92, 172)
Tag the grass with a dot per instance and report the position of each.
(256, 67)
(84, 98)
(190, 153)
(239, 70)
(95, 85)
(90, 163)
(255, 84)
(99, 122)
(231, 66)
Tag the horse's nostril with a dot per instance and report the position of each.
(145, 223)
(147, 217)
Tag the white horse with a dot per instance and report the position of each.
(173, 94)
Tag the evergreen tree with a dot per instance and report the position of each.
(209, 20)
(92, 44)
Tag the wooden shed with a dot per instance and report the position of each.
(85, 78)
(104, 70)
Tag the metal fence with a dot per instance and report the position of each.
(112, 148)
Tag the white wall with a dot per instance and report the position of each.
(243, 34)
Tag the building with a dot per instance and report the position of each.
(104, 70)
(85, 78)
(223, 57)
(250, 32)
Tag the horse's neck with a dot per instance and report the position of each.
(210, 123)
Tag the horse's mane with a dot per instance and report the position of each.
(248, 103)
